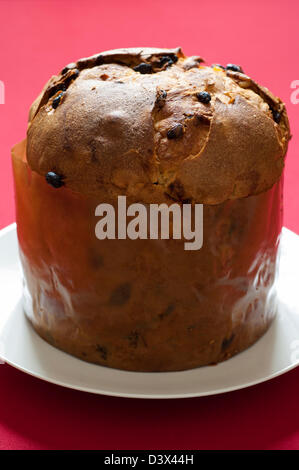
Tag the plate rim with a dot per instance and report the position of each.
(153, 396)
(7, 229)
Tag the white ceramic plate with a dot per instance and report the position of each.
(275, 353)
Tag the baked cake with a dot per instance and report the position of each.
(159, 128)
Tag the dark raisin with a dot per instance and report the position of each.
(68, 79)
(276, 115)
(227, 342)
(234, 68)
(103, 351)
(164, 60)
(175, 132)
(56, 88)
(167, 59)
(56, 100)
(167, 311)
(121, 294)
(177, 189)
(54, 180)
(143, 68)
(161, 97)
(133, 339)
(203, 97)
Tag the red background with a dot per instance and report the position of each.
(37, 38)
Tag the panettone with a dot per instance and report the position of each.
(157, 127)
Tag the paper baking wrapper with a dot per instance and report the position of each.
(145, 305)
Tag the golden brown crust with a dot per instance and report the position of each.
(128, 121)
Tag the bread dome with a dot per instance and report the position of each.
(153, 123)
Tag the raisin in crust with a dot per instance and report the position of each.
(129, 121)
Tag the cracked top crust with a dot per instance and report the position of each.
(130, 121)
